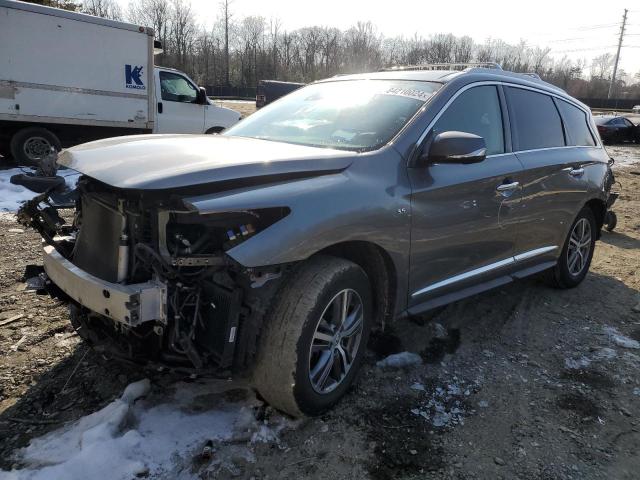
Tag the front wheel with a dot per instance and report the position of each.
(577, 252)
(315, 337)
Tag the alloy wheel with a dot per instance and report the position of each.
(579, 247)
(336, 341)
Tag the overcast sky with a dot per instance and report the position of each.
(581, 28)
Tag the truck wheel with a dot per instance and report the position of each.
(30, 145)
(577, 252)
(315, 337)
(214, 130)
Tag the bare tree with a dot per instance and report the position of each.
(103, 8)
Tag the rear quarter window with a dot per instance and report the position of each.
(576, 123)
(535, 119)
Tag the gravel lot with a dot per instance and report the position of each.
(521, 382)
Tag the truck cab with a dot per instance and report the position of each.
(183, 107)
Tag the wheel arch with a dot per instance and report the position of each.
(599, 209)
(379, 267)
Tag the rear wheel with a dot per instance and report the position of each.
(577, 252)
(315, 337)
(30, 145)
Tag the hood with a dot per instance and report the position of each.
(154, 162)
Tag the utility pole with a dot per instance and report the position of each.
(615, 65)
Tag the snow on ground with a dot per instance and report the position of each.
(399, 360)
(620, 339)
(12, 196)
(157, 435)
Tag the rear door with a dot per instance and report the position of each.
(177, 108)
(553, 187)
(463, 229)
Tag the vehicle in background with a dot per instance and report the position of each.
(272, 250)
(269, 91)
(616, 129)
(636, 109)
(67, 78)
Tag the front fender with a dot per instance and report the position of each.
(355, 204)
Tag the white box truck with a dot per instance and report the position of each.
(67, 78)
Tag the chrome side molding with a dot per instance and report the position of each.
(487, 268)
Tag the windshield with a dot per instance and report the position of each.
(355, 115)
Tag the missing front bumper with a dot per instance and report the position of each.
(128, 304)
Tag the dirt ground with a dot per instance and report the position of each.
(524, 382)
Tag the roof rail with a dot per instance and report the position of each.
(531, 74)
(445, 66)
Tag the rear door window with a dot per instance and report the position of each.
(576, 123)
(476, 111)
(535, 119)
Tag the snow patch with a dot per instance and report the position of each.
(443, 407)
(148, 434)
(400, 360)
(13, 196)
(620, 339)
(577, 363)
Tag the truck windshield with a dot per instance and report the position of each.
(356, 115)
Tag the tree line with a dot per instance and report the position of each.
(240, 51)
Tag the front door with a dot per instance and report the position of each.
(177, 108)
(463, 216)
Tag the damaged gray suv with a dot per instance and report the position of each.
(273, 250)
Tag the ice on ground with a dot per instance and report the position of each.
(156, 435)
(13, 196)
(620, 339)
(577, 363)
(605, 353)
(443, 406)
(399, 360)
(417, 386)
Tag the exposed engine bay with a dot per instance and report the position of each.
(148, 278)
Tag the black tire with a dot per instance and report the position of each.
(560, 276)
(23, 140)
(282, 371)
(611, 221)
(214, 130)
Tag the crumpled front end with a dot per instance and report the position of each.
(148, 277)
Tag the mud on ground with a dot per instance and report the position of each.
(521, 382)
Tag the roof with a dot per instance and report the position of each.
(445, 76)
(81, 17)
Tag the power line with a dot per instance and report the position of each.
(589, 49)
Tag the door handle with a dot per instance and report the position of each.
(159, 107)
(507, 187)
(576, 172)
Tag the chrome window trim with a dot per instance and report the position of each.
(487, 268)
(515, 85)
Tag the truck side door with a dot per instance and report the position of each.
(177, 107)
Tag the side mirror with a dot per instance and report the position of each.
(456, 147)
(202, 96)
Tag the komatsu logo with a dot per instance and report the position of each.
(132, 77)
